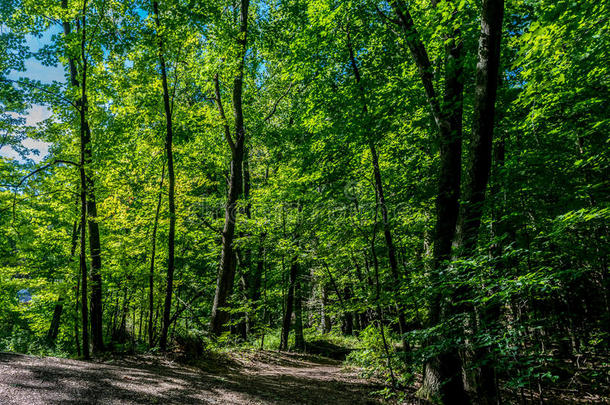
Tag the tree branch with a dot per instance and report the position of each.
(277, 102)
(34, 86)
(221, 111)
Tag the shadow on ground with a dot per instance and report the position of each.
(261, 378)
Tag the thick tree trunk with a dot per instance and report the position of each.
(226, 275)
(151, 274)
(443, 374)
(486, 86)
(446, 368)
(487, 75)
(169, 133)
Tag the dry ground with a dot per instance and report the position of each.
(261, 378)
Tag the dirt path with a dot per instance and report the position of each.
(262, 378)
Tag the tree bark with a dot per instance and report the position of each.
(88, 204)
(442, 374)
(169, 133)
(76, 331)
(287, 320)
(151, 274)
(94, 232)
(486, 85)
(83, 262)
(299, 340)
(226, 275)
(487, 74)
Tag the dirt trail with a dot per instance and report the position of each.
(261, 378)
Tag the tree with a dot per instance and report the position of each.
(226, 274)
(172, 181)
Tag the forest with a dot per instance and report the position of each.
(419, 190)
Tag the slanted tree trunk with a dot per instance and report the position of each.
(380, 197)
(226, 275)
(151, 274)
(169, 133)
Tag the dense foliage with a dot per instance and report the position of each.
(312, 164)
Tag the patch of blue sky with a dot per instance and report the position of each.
(35, 70)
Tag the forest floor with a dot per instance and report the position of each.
(250, 378)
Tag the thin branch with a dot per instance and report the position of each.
(386, 17)
(32, 85)
(206, 223)
(45, 167)
(277, 102)
(33, 173)
(96, 27)
(221, 111)
(332, 281)
(171, 108)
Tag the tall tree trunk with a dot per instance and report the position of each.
(299, 339)
(348, 316)
(486, 85)
(325, 321)
(443, 373)
(226, 275)
(76, 331)
(169, 133)
(94, 232)
(245, 262)
(151, 274)
(255, 285)
(294, 272)
(88, 204)
(83, 261)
